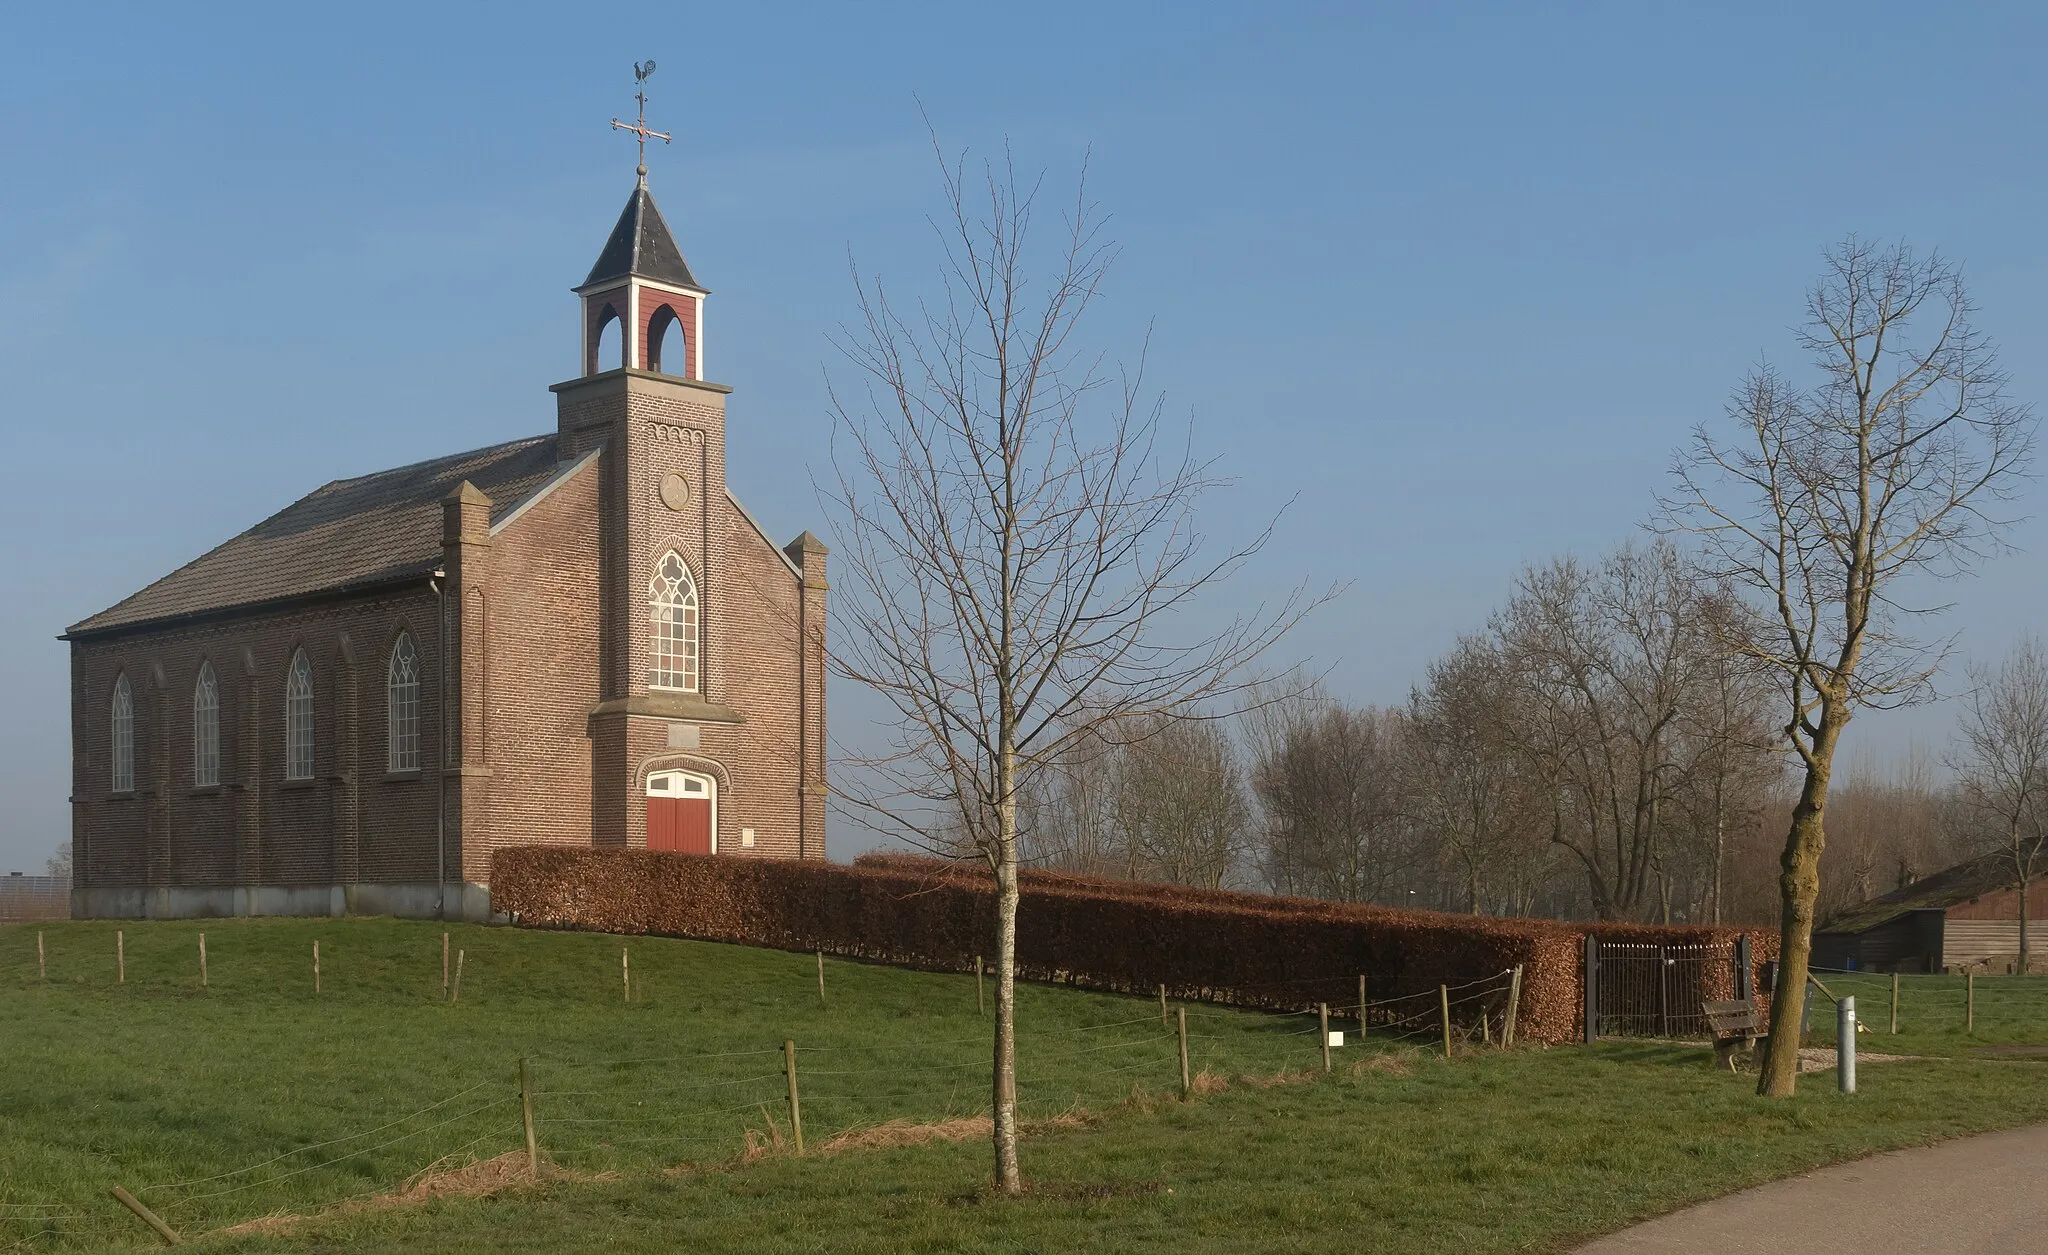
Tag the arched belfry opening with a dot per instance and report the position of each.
(668, 343)
(607, 341)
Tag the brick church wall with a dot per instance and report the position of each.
(540, 675)
(353, 821)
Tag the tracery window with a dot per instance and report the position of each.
(205, 729)
(122, 768)
(672, 595)
(298, 719)
(402, 707)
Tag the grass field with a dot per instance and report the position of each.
(181, 1094)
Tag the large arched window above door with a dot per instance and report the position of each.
(672, 597)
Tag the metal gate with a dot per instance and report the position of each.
(1646, 989)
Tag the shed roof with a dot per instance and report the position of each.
(1949, 887)
(351, 533)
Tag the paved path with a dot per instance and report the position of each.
(1973, 1196)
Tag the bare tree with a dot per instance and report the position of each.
(1824, 501)
(1180, 803)
(1067, 814)
(1604, 662)
(1330, 788)
(1021, 549)
(1463, 786)
(2002, 764)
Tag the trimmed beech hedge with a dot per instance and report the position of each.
(1239, 948)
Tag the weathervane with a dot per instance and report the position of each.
(641, 69)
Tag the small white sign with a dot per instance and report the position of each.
(747, 838)
(1336, 1037)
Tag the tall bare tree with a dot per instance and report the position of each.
(1330, 787)
(1824, 502)
(1464, 788)
(1604, 661)
(1022, 556)
(2002, 764)
(1181, 808)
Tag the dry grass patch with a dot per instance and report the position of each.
(444, 1178)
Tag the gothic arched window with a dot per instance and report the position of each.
(298, 719)
(122, 773)
(205, 729)
(402, 707)
(673, 597)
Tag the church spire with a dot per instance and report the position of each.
(640, 283)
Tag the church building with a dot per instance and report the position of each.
(578, 638)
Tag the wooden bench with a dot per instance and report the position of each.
(1736, 1026)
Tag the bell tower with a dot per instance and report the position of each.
(658, 429)
(642, 285)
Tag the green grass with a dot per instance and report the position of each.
(158, 1081)
(2011, 1010)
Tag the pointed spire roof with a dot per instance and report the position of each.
(640, 245)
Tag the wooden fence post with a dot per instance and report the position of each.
(525, 1113)
(980, 1005)
(1162, 1006)
(444, 967)
(1361, 1006)
(1591, 981)
(1323, 1019)
(202, 960)
(1895, 1002)
(821, 976)
(626, 971)
(1507, 1029)
(316, 967)
(150, 1218)
(1443, 993)
(1970, 1001)
(456, 994)
(42, 972)
(120, 958)
(1186, 1084)
(796, 1113)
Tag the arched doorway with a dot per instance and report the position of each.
(682, 812)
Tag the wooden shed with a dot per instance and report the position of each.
(1964, 917)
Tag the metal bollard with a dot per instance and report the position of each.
(1845, 1045)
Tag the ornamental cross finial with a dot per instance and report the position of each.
(641, 69)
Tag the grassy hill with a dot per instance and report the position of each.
(254, 1096)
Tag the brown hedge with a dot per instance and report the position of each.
(1239, 948)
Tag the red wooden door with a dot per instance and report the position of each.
(679, 823)
(693, 825)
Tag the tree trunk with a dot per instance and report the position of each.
(1008, 1178)
(1798, 890)
(2024, 958)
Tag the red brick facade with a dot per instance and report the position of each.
(537, 721)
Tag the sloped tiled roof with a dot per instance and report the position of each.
(641, 245)
(1950, 887)
(348, 534)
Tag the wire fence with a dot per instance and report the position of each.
(595, 1114)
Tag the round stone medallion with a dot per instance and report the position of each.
(675, 491)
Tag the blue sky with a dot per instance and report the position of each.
(1455, 279)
